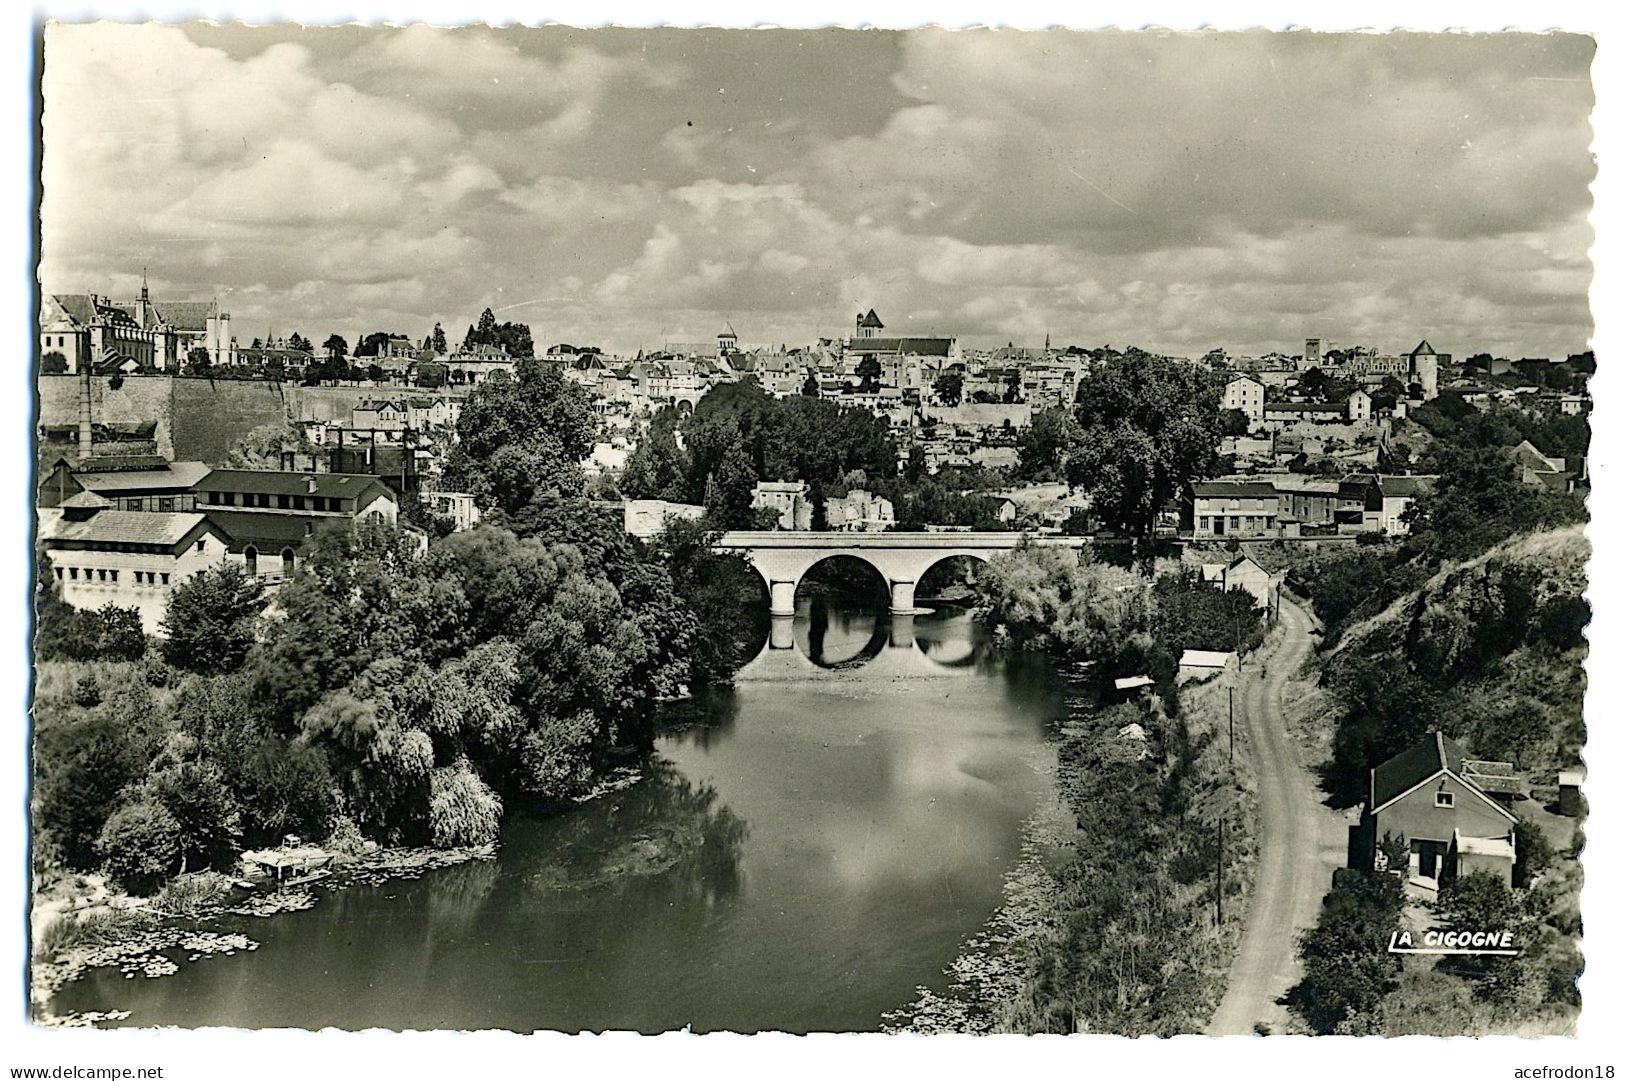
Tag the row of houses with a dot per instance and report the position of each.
(1292, 505)
(128, 532)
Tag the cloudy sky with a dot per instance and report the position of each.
(628, 187)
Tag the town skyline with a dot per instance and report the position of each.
(613, 188)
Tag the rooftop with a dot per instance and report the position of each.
(276, 482)
(123, 527)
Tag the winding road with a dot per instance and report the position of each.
(1300, 843)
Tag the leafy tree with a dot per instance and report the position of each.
(53, 363)
(809, 386)
(1233, 422)
(1346, 967)
(81, 767)
(1054, 599)
(1043, 446)
(462, 808)
(869, 372)
(196, 797)
(437, 341)
(915, 469)
(1479, 502)
(730, 490)
(523, 436)
(431, 374)
(336, 346)
(375, 373)
(198, 361)
(300, 343)
(209, 625)
(949, 387)
(1147, 427)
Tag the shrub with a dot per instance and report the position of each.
(195, 794)
(98, 927)
(190, 895)
(140, 844)
(80, 769)
(462, 808)
(87, 692)
(1561, 622)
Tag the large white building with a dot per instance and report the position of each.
(133, 559)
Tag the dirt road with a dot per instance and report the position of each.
(1300, 842)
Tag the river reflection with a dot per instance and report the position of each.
(801, 856)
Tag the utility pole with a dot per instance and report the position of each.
(1218, 895)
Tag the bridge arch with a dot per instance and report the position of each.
(783, 558)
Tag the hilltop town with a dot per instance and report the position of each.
(145, 401)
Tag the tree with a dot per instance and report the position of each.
(53, 363)
(949, 387)
(1346, 967)
(730, 490)
(1043, 446)
(869, 373)
(198, 361)
(915, 469)
(809, 386)
(1147, 427)
(438, 341)
(210, 620)
(1233, 422)
(336, 346)
(299, 343)
(375, 373)
(523, 436)
(431, 374)
(1012, 386)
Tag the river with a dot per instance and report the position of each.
(812, 846)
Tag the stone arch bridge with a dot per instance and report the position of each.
(782, 557)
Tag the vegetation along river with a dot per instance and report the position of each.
(804, 850)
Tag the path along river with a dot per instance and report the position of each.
(818, 845)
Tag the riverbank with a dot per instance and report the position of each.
(1112, 919)
(94, 926)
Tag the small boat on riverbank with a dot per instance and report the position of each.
(291, 866)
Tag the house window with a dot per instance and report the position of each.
(166, 505)
(251, 559)
(1444, 799)
(165, 577)
(200, 544)
(113, 575)
(283, 502)
(73, 573)
(132, 504)
(287, 562)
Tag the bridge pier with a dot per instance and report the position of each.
(782, 598)
(901, 633)
(781, 632)
(902, 598)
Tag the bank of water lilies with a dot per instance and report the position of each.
(198, 918)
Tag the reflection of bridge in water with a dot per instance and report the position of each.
(902, 559)
(887, 647)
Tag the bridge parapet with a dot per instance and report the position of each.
(782, 557)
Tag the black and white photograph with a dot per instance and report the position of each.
(927, 531)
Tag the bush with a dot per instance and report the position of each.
(191, 895)
(1561, 622)
(196, 797)
(98, 927)
(462, 808)
(87, 693)
(140, 844)
(80, 769)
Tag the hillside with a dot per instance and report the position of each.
(1493, 649)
